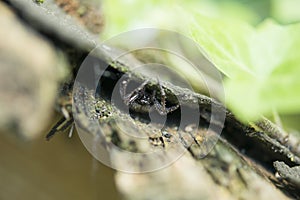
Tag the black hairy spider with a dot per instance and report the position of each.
(141, 100)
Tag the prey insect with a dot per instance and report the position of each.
(141, 100)
(62, 125)
(64, 105)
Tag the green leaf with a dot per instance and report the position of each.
(286, 11)
(223, 44)
(262, 64)
(127, 15)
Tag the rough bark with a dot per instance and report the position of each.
(239, 167)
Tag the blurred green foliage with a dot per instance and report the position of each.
(262, 64)
(286, 11)
(124, 15)
(260, 57)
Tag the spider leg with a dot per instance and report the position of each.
(163, 96)
(163, 110)
(161, 107)
(158, 107)
(132, 96)
(172, 108)
(123, 87)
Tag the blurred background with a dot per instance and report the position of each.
(32, 67)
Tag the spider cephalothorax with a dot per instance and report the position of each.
(141, 100)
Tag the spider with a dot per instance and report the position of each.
(141, 100)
